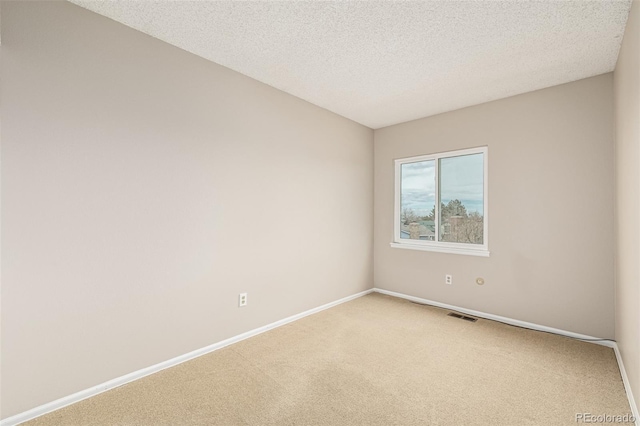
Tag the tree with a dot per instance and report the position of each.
(461, 226)
(431, 216)
(471, 229)
(408, 216)
(453, 208)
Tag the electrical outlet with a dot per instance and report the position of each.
(242, 299)
(448, 279)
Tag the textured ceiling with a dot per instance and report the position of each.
(382, 63)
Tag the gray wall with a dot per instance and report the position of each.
(627, 107)
(143, 188)
(551, 233)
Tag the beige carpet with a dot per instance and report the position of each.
(376, 360)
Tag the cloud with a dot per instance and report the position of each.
(419, 176)
(461, 178)
(418, 168)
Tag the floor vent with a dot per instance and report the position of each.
(464, 317)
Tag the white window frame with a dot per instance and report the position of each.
(436, 245)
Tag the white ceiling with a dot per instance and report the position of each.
(380, 62)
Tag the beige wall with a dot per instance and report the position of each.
(627, 124)
(551, 233)
(143, 188)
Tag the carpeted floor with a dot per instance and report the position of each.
(376, 360)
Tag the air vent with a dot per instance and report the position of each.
(464, 317)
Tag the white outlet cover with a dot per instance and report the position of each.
(242, 299)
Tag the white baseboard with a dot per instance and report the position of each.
(511, 321)
(627, 385)
(119, 381)
(608, 343)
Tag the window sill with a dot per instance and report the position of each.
(450, 250)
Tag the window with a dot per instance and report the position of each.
(441, 202)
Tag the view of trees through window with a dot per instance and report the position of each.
(458, 225)
(461, 199)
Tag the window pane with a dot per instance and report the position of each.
(417, 200)
(462, 199)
